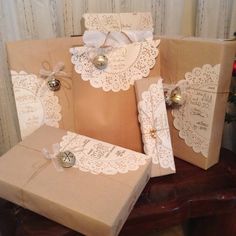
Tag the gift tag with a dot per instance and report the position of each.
(66, 159)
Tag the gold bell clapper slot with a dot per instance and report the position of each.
(100, 61)
(54, 84)
(66, 159)
(176, 97)
(173, 97)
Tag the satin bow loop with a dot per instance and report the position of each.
(56, 72)
(53, 156)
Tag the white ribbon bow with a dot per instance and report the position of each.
(56, 72)
(53, 156)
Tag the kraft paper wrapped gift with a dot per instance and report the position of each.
(36, 104)
(93, 197)
(202, 69)
(104, 100)
(154, 125)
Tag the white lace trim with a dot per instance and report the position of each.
(153, 116)
(36, 104)
(125, 65)
(194, 118)
(118, 21)
(98, 157)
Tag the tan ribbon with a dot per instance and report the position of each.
(35, 174)
(51, 157)
(57, 71)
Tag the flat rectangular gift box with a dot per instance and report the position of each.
(202, 69)
(154, 125)
(93, 197)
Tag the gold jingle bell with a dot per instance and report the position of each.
(54, 84)
(153, 133)
(100, 61)
(66, 159)
(176, 97)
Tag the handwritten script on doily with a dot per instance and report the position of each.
(36, 104)
(98, 157)
(194, 119)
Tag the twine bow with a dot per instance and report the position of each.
(53, 156)
(56, 72)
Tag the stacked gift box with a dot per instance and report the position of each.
(101, 114)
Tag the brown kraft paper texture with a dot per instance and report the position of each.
(107, 115)
(69, 197)
(30, 55)
(181, 55)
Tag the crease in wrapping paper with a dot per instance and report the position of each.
(176, 59)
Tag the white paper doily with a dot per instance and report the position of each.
(107, 22)
(194, 118)
(125, 65)
(36, 104)
(98, 157)
(153, 116)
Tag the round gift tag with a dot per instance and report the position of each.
(66, 159)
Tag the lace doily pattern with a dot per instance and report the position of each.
(194, 118)
(36, 104)
(98, 157)
(154, 126)
(118, 21)
(125, 65)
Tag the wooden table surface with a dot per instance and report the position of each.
(206, 199)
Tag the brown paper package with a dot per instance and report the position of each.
(181, 55)
(88, 203)
(29, 55)
(108, 116)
